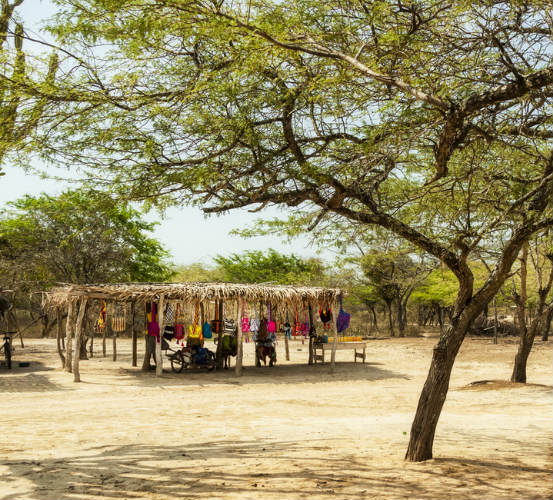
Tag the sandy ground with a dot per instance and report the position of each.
(293, 431)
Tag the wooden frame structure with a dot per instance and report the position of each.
(75, 298)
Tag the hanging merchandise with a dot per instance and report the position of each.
(297, 326)
(304, 327)
(101, 321)
(179, 323)
(271, 325)
(229, 327)
(119, 318)
(342, 323)
(195, 330)
(216, 323)
(325, 313)
(262, 332)
(287, 327)
(254, 324)
(153, 325)
(245, 320)
(206, 328)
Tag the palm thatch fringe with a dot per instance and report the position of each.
(191, 293)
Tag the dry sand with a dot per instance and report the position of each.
(293, 431)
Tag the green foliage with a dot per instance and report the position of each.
(439, 288)
(78, 237)
(197, 272)
(269, 267)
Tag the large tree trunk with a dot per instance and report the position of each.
(150, 350)
(539, 322)
(436, 386)
(400, 318)
(547, 326)
(526, 342)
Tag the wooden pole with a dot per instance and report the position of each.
(311, 328)
(91, 323)
(161, 321)
(134, 336)
(59, 335)
(104, 330)
(334, 342)
(219, 352)
(240, 350)
(13, 311)
(113, 332)
(68, 334)
(78, 337)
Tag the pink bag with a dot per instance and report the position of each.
(245, 320)
(271, 325)
(153, 326)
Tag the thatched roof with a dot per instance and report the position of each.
(191, 292)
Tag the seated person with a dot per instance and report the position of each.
(265, 344)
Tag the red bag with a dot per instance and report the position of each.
(179, 327)
(153, 325)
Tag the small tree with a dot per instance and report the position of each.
(270, 266)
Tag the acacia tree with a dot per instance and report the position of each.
(430, 120)
(541, 257)
(22, 101)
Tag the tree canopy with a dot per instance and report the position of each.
(77, 237)
(431, 120)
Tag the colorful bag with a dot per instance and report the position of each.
(206, 330)
(245, 320)
(325, 313)
(297, 326)
(195, 330)
(342, 323)
(271, 325)
(153, 325)
(229, 327)
(304, 327)
(179, 323)
(216, 323)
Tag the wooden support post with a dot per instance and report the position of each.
(68, 334)
(104, 331)
(113, 332)
(287, 347)
(91, 322)
(78, 338)
(161, 321)
(335, 342)
(107, 329)
(219, 352)
(59, 335)
(13, 311)
(134, 332)
(311, 329)
(240, 347)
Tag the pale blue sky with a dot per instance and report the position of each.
(184, 231)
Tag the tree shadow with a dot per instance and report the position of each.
(31, 382)
(279, 374)
(242, 469)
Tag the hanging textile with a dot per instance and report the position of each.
(119, 319)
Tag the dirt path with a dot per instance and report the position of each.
(293, 431)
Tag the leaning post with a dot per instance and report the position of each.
(134, 335)
(239, 349)
(78, 339)
(334, 342)
(68, 334)
(161, 321)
